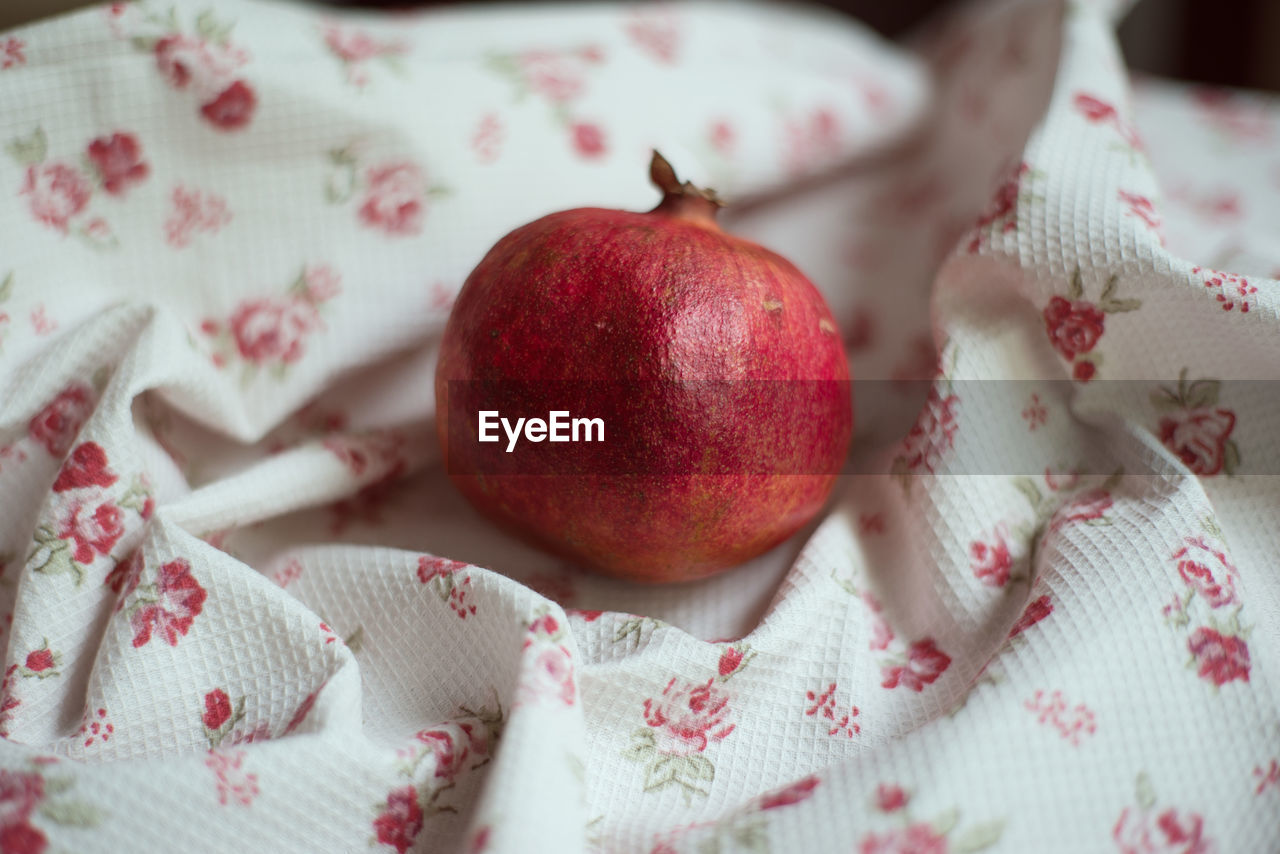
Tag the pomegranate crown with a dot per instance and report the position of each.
(682, 198)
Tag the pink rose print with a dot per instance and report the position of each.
(1148, 829)
(990, 559)
(288, 573)
(356, 48)
(793, 794)
(235, 785)
(1072, 724)
(1219, 658)
(811, 139)
(304, 709)
(931, 436)
(22, 838)
(1207, 572)
(1075, 325)
(353, 45)
(551, 672)
(169, 606)
(41, 323)
(330, 636)
(654, 32)
(487, 140)
(1099, 112)
(1231, 290)
(431, 568)
(1219, 651)
(179, 58)
(260, 733)
(1035, 413)
(272, 331)
(98, 230)
(557, 76)
(41, 662)
(233, 107)
(1001, 213)
(394, 193)
(96, 728)
(1199, 438)
(87, 523)
(442, 576)
(890, 797)
(380, 449)
(544, 625)
(55, 427)
(123, 579)
(1268, 777)
(1170, 832)
(205, 65)
(56, 192)
(448, 760)
(824, 706)
(881, 631)
(269, 329)
(401, 821)
(11, 55)
(588, 139)
(553, 675)
(118, 159)
(1089, 506)
(394, 197)
(924, 664)
(1195, 428)
(912, 836)
(560, 78)
(730, 661)
(1093, 109)
(454, 747)
(20, 794)
(194, 211)
(679, 726)
(86, 467)
(1141, 207)
(217, 709)
(688, 717)
(1036, 611)
(913, 839)
(93, 524)
(9, 702)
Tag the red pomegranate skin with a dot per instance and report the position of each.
(645, 306)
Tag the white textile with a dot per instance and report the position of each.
(246, 610)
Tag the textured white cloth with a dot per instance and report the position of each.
(247, 611)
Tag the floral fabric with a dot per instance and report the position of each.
(241, 601)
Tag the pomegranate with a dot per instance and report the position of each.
(705, 371)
